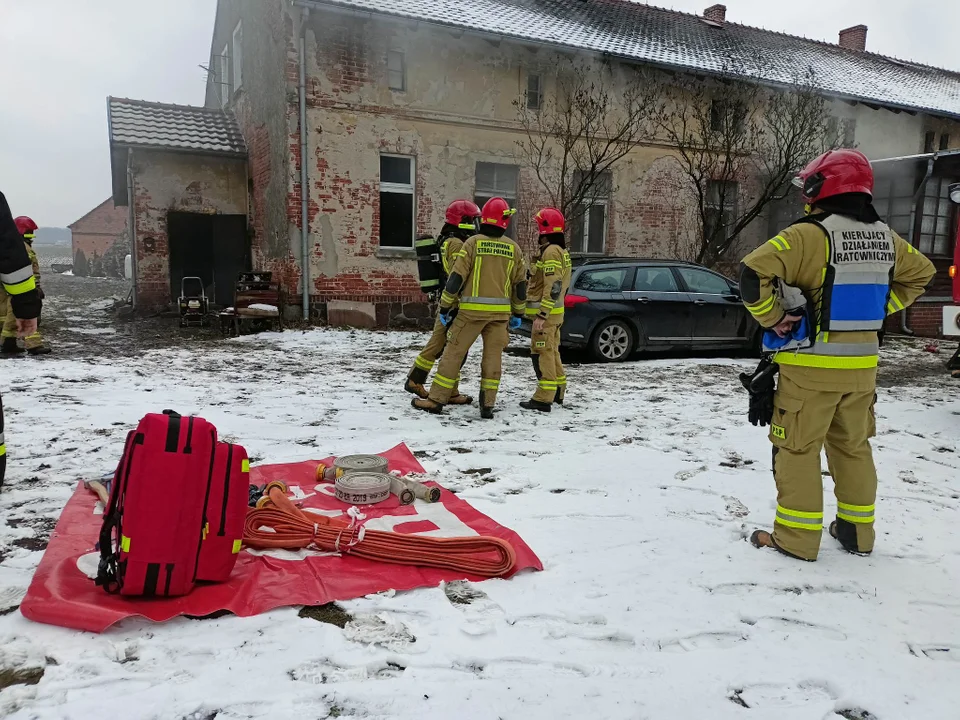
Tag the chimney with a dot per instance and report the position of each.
(715, 13)
(854, 38)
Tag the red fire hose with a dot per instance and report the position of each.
(290, 528)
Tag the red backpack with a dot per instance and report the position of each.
(176, 511)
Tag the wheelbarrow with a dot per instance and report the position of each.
(193, 302)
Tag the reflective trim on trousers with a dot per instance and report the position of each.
(862, 514)
(489, 384)
(800, 519)
(444, 382)
(423, 364)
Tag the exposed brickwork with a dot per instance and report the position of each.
(925, 319)
(854, 38)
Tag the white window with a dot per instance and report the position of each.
(397, 200)
(495, 180)
(222, 78)
(589, 226)
(396, 70)
(534, 91)
(237, 57)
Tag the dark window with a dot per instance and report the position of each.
(396, 70)
(701, 281)
(495, 180)
(655, 279)
(727, 116)
(935, 236)
(602, 280)
(849, 130)
(397, 201)
(928, 142)
(588, 232)
(721, 207)
(534, 91)
(945, 141)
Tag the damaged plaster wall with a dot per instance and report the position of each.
(177, 182)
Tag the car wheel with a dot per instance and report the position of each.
(612, 341)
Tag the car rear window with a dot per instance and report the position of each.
(655, 279)
(602, 280)
(701, 281)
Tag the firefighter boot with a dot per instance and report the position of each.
(9, 348)
(486, 412)
(535, 405)
(427, 405)
(415, 381)
(40, 350)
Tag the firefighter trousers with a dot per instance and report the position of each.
(34, 340)
(3, 447)
(804, 422)
(428, 357)
(551, 378)
(464, 331)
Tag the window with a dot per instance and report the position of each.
(936, 224)
(945, 141)
(727, 116)
(534, 91)
(397, 181)
(221, 69)
(396, 70)
(495, 180)
(701, 281)
(589, 225)
(841, 133)
(237, 57)
(602, 280)
(655, 279)
(721, 207)
(928, 141)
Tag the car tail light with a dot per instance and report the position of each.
(953, 271)
(570, 300)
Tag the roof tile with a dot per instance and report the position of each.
(178, 127)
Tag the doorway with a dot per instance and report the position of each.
(214, 248)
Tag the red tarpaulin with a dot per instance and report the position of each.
(63, 593)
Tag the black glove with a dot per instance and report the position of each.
(41, 293)
(761, 385)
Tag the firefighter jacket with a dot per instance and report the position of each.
(16, 271)
(34, 262)
(852, 274)
(549, 284)
(448, 255)
(489, 278)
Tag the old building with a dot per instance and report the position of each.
(362, 119)
(100, 241)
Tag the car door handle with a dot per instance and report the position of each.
(699, 302)
(644, 300)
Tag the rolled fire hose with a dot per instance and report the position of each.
(350, 464)
(363, 488)
(406, 490)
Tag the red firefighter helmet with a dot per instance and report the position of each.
(497, 211)
(550, 221)
(25, 226)
(834, 173)
(463, 214)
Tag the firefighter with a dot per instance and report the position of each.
(16, 276)
(489, 279)
(462, 220)
(847, 270)
(548, 287)
(33, 343)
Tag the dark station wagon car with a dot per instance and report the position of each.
(618, 306)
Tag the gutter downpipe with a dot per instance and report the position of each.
(131, 224)
(904, 328)
(304, 176)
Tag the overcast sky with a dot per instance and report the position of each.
(60, 59)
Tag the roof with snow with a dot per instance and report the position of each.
(668, 38)
(184, 128)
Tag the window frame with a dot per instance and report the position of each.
(731, 206)
(944, 141)
(929, 142)
(481, 195)
(236, 64)
(601, 192)
(403, 70)
(539, 92)
(398, 189)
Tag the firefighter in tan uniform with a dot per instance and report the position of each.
(489, 278)
(462, 220)
(548, 288)
(847, 270)
(33, 342)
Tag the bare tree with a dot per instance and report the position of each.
(573, 138)
(739, 141)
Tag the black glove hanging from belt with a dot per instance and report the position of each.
(761, 385)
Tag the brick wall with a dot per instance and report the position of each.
(925, 319)
(97, 234)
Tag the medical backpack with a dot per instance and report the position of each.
(177, 507)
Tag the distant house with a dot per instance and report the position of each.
(99, 239)
(409, 104)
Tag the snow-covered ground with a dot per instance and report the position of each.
(638, 498)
